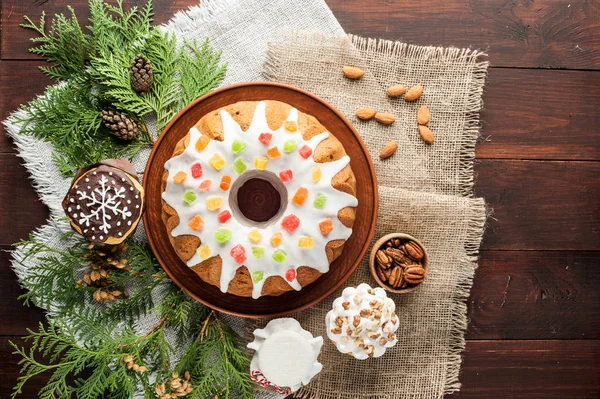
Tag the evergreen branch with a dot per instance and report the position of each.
(200, 70)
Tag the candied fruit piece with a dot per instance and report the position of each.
(225, 183)
(305, 151)
(205, 185)
(238, 253)
(257, 276)
(286, 175)
(239, 166)
(276, 239)
(290, 275)
(189, 197)
(319, 201)
(306, 242)
(179, 177)
(258, 252)
(216, 161)
(260, 163)
(265, 138)
(290, 223)
(196, 170)
(316, 174)
(222, 235)
(202, 143)
(279, 255)
(237, 146)
(300, 196)
(254, 235)
(213, 203)
(289, 145)
(196, 223)
(204, 251)
(290, 126)
(273, 152)
(224, 216)
(326, 226)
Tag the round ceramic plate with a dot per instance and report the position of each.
(339, 270)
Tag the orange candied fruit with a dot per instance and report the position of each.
(225, 183)
(290, 126)
(196, 223)
(202, 143)
(273, 152)
(326, 226)
(300, 196)
(179, 177)
(276, 239)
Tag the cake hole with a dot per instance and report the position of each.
(258, 198)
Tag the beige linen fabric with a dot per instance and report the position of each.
(425, 191)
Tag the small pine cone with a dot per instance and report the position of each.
(140, 74)
(120, 125)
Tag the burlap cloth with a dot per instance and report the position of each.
(425, 191)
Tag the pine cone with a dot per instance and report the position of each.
(120, 125)
(140, 74)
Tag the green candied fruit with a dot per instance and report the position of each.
(289, 146)
(279, 255)
(239, 166)
(257, 276)
(189, 197)
(237, 146)
(258, 252)
(319, 201)
(222, 235)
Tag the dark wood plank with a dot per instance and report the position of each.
(21, 211)
(541, 114)
(540, 205)
(535, 295)
(10, 371)
(20, 82)
(531, 369)
(12, 309)
(548, 34)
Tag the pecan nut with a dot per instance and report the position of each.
(414, 274)
(398, 256)
(413, 251)
(383, 259)
(396, 277)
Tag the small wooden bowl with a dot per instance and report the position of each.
(372, 266)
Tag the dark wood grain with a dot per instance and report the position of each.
(21, 211)
(541, 114)
(530, 369)
(548, 34)
(540, 205)
(293, 301)
(535, 295)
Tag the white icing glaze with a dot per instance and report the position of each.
(286, 354)
(309, 216)
(370, 329)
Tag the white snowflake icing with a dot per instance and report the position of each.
(107, 205)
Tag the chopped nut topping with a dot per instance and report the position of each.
(346, 305)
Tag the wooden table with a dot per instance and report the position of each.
(535, 305)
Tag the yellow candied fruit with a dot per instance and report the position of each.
(202, 143)
(179, 177)
(196, 223)
(260, 163)
(316, 174)
(276, 239)
(216, 161)
(204, 251)
(213, 203)
(290, 126)
(306, 242)
(254, 236)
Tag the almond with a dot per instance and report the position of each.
(423, 115)
(385, 118)
(414, 93)
(426, 134)
(365, 113)
(352, 72)
(388, 150)
(396, 91)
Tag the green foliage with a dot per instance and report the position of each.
(94, 69)
(83, 347)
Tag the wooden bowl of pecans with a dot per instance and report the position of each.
(398, 263)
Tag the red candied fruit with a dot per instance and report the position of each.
(286, 175)
(224, 216)
(290, 275)
(196, 170)
(238, 253)
(290, 223)
(305, 151)
(265, 138)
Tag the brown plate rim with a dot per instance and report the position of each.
(173, 276)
